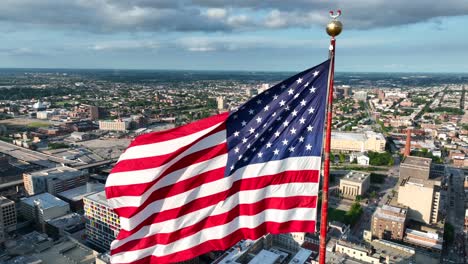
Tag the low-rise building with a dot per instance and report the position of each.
(388, 222)
(64, 225)
(355, 251)
(115, 125)
(357, 142)
(429, 240)
(354, 183)
(360, 96)
(43, 207)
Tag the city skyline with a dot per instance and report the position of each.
(218, 35)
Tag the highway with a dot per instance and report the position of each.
(33, 157)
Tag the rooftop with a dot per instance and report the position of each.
(421, 182)
(60, 172)
(99, 197)
(77, 194)
(356, 176)
(348, 136)
(417, 161)
(391, 213)
(301, 256)
(4, 200)
(67, 220)
(265, 257)
(46, 200)
(357, 136)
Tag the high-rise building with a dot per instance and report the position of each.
(422, 197)
(7, 217)
(418, 191)
(93, 112)
(54, 180)
(346, 90)
(381, 95)
(221, 103)
(354, 183)
(415, 167)
(388, 222)
(102, 224)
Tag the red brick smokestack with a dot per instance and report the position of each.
(408, 142)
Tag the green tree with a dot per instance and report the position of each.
(449, 232)
(352, 216)
(342, 157)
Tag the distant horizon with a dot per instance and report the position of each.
(221, 70)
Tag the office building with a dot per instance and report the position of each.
(43, 207)
(422, 197)
(354, 183)
(388, 222)
(102, 224)
(53, 180)
(115, 125)
(64, 225)
(415, 167)
(221, 103)
(7, 217)
(75, 196)
(93, 112)
(357, 142)
(419, 189)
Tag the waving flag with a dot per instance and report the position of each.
(204, 186)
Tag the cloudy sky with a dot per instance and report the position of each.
(279, 35)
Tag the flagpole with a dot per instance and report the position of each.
(333, 29)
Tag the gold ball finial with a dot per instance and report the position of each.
(335, 27)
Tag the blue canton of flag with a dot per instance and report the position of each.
(287, 120)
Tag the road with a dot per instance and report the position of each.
(455, 253)
(32, 156)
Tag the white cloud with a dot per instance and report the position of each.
(125, 45)
(111, 16)
(216, 13)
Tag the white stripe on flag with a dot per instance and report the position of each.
(242, 197)
(250, 171)
(218, 232)
(164, 147)
(147, 175)
(169, 179)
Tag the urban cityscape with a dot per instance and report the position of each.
(233, 132)
(399, 178)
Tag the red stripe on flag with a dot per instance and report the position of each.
(156, 161)
(283, 203)
(230, 240)
(200, 203)
(178, 132)
(194, 158)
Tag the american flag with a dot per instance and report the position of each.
(206, 185)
